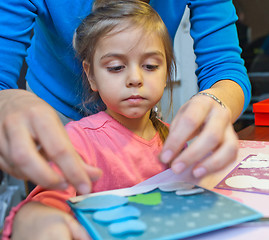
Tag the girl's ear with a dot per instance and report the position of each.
(86, 68)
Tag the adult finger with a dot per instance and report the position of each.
(58, 149)
(94, 172)
(210, 138)
(222, 157)
(189, 119)
(22, 154)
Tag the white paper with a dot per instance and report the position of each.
(148, 185)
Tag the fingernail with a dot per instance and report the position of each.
(166, 156)
(178, 167)
(84, 188)
(199, 172)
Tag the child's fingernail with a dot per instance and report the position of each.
(178, 167)
(84, 188)
(199, 172)
(166, 156)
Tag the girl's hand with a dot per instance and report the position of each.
(36, 221)
(215, 145)
(31, 135)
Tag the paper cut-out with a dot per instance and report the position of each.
(255, 164)
(262, 184)
(146, 199)
(189, 191)
(101, 202)
(255, 161)
(174, 186)
(240, 181)
(116, 214)
(127, 227)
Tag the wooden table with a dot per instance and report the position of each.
(255, 133)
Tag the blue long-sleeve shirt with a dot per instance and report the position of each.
(54, 73)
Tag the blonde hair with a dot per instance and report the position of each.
(106, 16)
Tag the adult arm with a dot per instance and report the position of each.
(31, 133)
(31, 136)
(216, 47)
(220, 72)
(16, 24)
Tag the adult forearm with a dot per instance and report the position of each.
(231, 94)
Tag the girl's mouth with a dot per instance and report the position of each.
(135, 99)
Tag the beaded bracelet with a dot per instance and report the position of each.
(213, 97)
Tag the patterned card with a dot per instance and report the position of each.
(250, 175)
(167, 212)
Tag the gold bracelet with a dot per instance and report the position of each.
(213, 97)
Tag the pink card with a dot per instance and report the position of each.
(250, 175)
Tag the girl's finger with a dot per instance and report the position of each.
(78, 232)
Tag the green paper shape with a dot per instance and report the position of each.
(147, 199)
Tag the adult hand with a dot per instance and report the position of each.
(31, 135)
(215, 145)
(37, 221)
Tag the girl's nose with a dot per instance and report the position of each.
(135, 78)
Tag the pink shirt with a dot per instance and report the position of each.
(125, 158)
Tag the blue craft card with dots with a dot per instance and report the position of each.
(159, 214)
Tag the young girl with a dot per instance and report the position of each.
(128, 60)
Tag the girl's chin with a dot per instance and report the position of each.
(129, 114)
(133, 116)
(136, 114)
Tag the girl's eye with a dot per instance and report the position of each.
(150, 67)
(115, 69)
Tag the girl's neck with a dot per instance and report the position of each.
(142, 127)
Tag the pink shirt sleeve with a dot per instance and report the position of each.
(6, 235)
(51, 198)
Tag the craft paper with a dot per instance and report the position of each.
(170, 217)
(250, 175)
(116, 214)
(174, 186)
